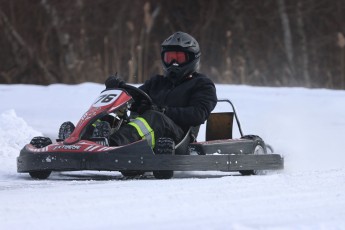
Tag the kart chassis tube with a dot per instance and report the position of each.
(140, 157)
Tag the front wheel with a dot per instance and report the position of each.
(40, 142)
(164, 146)
(259, 149)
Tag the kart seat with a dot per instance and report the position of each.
(219, 126)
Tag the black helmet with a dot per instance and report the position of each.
(180, 56)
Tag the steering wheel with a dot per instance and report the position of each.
(135, 92)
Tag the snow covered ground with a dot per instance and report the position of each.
(306, 126)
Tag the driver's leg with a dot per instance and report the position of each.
(160, 124)
(163, 126)
(125, 135)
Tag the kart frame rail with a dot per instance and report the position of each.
(134, 160)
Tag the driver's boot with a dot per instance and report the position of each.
(102, 129)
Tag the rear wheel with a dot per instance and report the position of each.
(164, 146)
(259, 149)
(40, 142)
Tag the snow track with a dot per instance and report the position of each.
(307, 126)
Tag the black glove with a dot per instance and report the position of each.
(114, 81)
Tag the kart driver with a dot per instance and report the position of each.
(182, 97)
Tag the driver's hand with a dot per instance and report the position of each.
(141, 106)
(114, 81)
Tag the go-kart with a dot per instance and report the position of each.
(79, 151)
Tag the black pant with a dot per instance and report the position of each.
(162, 125)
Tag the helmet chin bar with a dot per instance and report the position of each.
(173, 73)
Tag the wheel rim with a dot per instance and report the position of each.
(259, 150)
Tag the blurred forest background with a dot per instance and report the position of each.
(266, 42)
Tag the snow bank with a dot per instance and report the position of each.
(14, 134)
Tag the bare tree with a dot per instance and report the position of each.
(275, 43)
(18, 43)
(304, 49)
(341, 44)
(287, 35)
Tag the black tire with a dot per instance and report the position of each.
(270, 149)
(40, 142)
(132, 173)
(163, 174)
(165, 146)
(41, 175)
(258, 148)
(66, 129)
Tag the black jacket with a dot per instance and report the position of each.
(188, 103)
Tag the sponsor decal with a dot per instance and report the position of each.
(67, 147)
(36, 150)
